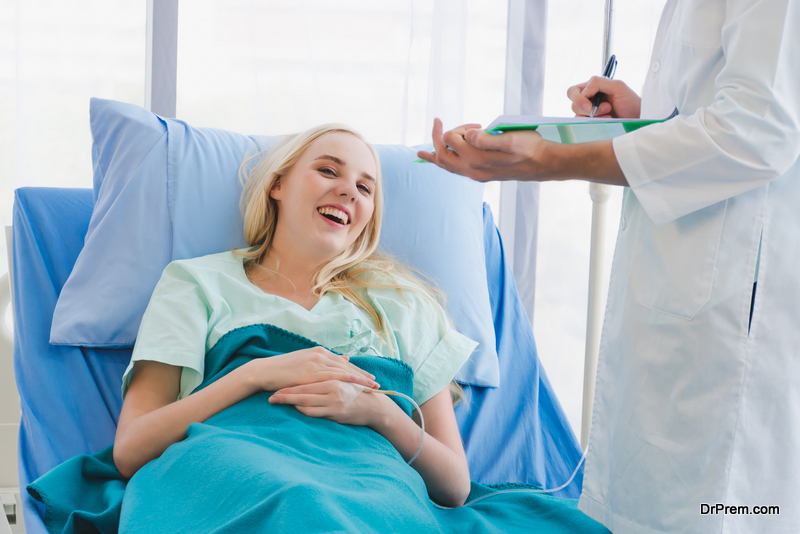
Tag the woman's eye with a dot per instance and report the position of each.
(364, 188)
(328, 171)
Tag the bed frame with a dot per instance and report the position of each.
(11, 520)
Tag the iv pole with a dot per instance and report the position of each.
(600, 193)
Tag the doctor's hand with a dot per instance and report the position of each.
(343, 402)
(620, 101)
(521, 155)
(472, 152)
(307, 366)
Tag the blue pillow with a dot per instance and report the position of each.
(165, 190)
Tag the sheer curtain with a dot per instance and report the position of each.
(262, 67)
(574, 54)
(54, 56)
(386, 68)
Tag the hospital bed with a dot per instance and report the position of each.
(70, 395)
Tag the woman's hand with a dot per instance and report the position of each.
(620, 100)
(343, 402)
(307, 366)
(441, 463)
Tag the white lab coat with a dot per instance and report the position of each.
(690, 408)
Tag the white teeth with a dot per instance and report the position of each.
(339, 214)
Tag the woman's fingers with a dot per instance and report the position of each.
(332, 393)
(305, 394)
(335, 400)
(346, 376)
(351, 373)
(343, 363)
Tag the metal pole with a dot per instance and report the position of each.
(600, 193)
(607, 30)
(161, 59)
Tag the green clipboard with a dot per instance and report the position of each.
(567, 130)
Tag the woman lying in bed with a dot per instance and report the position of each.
(312, 211)
(245, 409)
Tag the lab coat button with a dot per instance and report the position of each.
(656, 66)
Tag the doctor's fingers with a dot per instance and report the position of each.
(487, 151)
(461, 130)
(447, 157)
(618, 100)
(582, 94)
(475, 163)
(442, 155)
(581, 102)
(450, 161)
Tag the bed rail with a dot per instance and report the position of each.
(11, 518)
(6, 336)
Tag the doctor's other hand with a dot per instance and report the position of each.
(470, 151)
(521, 155)
(619, 100)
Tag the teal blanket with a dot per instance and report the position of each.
(258, 467)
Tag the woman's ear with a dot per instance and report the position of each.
(276, 189)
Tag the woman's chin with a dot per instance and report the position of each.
(327, 251)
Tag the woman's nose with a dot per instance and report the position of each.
(347, 190)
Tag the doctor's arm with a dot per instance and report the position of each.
(745, 135)
(521, 155)
(741, 128)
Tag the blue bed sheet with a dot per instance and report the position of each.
(70, 397)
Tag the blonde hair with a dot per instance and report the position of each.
(358, 267)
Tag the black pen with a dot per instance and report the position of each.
(608, 72)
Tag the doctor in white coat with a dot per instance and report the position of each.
(696, 423)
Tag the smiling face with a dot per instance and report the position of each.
(327, 198)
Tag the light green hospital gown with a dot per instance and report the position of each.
(197, 301)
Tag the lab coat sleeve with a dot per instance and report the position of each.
(747, 136)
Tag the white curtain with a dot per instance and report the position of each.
(386, 68)
(524, 92)
(54, 56)
(253, 66)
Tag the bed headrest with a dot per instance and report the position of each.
(165, 190)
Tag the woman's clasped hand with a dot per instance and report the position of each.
(307, 366)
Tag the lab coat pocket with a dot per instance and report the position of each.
(673, 265)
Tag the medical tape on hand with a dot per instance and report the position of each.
(349, 391)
